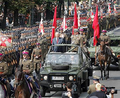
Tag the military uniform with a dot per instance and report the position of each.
(92, 86)
(4, 72)
(36, 57)
(4, 69)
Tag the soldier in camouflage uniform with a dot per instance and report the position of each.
(36, 57)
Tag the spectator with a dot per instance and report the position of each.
(69, 93)
(92, 86)
(57, 40)
(98, 93)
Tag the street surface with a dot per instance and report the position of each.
(113, 81)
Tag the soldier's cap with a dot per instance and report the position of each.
(81, 30)
(61, 28)
(96, 78)
(104, 31)
(37, 43)
(75, 30)
(25, 52)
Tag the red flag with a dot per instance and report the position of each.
(95, 26)
(54, 24)
(75, 26)
(41, 27)
(64, 25)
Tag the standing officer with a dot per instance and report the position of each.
(4, 72)
(82, 41)
(36, 57)
(63, 35)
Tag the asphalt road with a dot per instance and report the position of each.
(113, 81)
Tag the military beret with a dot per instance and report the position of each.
(104, 31)
(25, 52)
(61, 28)
(37, 43)
(81, 30)
(96, 78)
(1, 54)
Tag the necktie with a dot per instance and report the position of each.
(57, 40)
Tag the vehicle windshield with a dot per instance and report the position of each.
(62, 59)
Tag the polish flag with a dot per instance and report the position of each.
(109, 8)
(115, 9)
(64, 25)
(41, 27)
(92, 14)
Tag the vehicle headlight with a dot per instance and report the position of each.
(45, 77)
(70, 78)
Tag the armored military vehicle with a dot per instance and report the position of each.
(69, 65)
(114, 45)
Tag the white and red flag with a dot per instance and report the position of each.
(64, 25)
(115, 9)
(5, 41)
(109, 8)
(41, 27)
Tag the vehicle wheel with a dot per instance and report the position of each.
(85, 85)
(90, 71)
(42, 91)
(119, 64)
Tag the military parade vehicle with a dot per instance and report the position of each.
(69, 65)
(114, 45)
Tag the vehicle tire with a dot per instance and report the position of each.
(85, 85)
(79, 87)
(119, 64)
(42, 91)
(90, 71)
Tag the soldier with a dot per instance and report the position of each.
(106, 39)
(36, 57)
(4, 72)
(92, 86)
(74, 37)
(82, 41)
(27, 66)
(63, 35)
